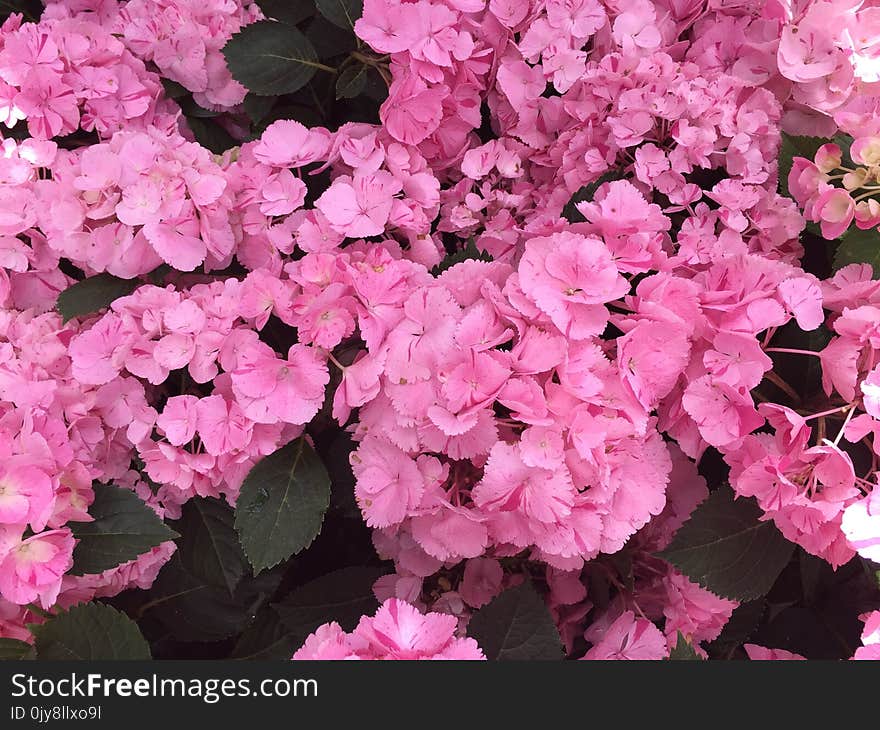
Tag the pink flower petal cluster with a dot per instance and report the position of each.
(397, 631)
(205, 444)
(57, 435)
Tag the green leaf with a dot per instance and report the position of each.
(683, 650)
(93, 294)
(291, 12)
(281, 505)
(376, 88)
(586, 193)
(266, 638)
(258, 107)
(743, 623)
(791, 147)
(342, 596)
(342, 13)
(124, 527)
(90, 631)
(727, 549)
(173, 90)
(13, 649)
(209, 545)
(351, 82)
(859, 247)
(329, 40)
(192, 608)
(271, 58)
(469, 253)
(516, 625)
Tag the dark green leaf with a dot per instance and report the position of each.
(14, 649)
(812, 571)
(173, 90)
(683, 650)
(90, 631)
(376, 88)
(93, 294)
(342, 596)
(330, 40)
(266, 638)
(351, 82)
(516, 625)
(271, 58)
(585, 194)
(209, 545)
(124, 527)
(743, 623)
(258, 107)
(282, 504)
(342, 13)
(157, 275)
(859, 247)
(192, 608)
(291, 12)
(727, 549)
(211, 135)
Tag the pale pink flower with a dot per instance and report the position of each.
(32, 569)
(26, 495)
(271, 390)
(629, 638)
(359, 206)
(389, 483)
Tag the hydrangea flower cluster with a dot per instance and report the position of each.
(58, 435)
(538, 295)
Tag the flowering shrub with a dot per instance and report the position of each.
(393, 330)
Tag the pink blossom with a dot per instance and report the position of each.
(760, 653)
(359, 206)
(835, 210)
(178, 419)
(651, 356)
(481, 581)
(397, 631)
(287, 143)
(570, 277)
(870, 388)
(388, 482)
(630, 638)
(26, 496)
(32, 569)
(413, 110)
(271, 390)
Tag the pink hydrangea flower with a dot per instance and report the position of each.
(27, 496)
(760, 653)
(32, 569)
(397, 631)
(630, 638)
(271, 390)
(570, 278)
